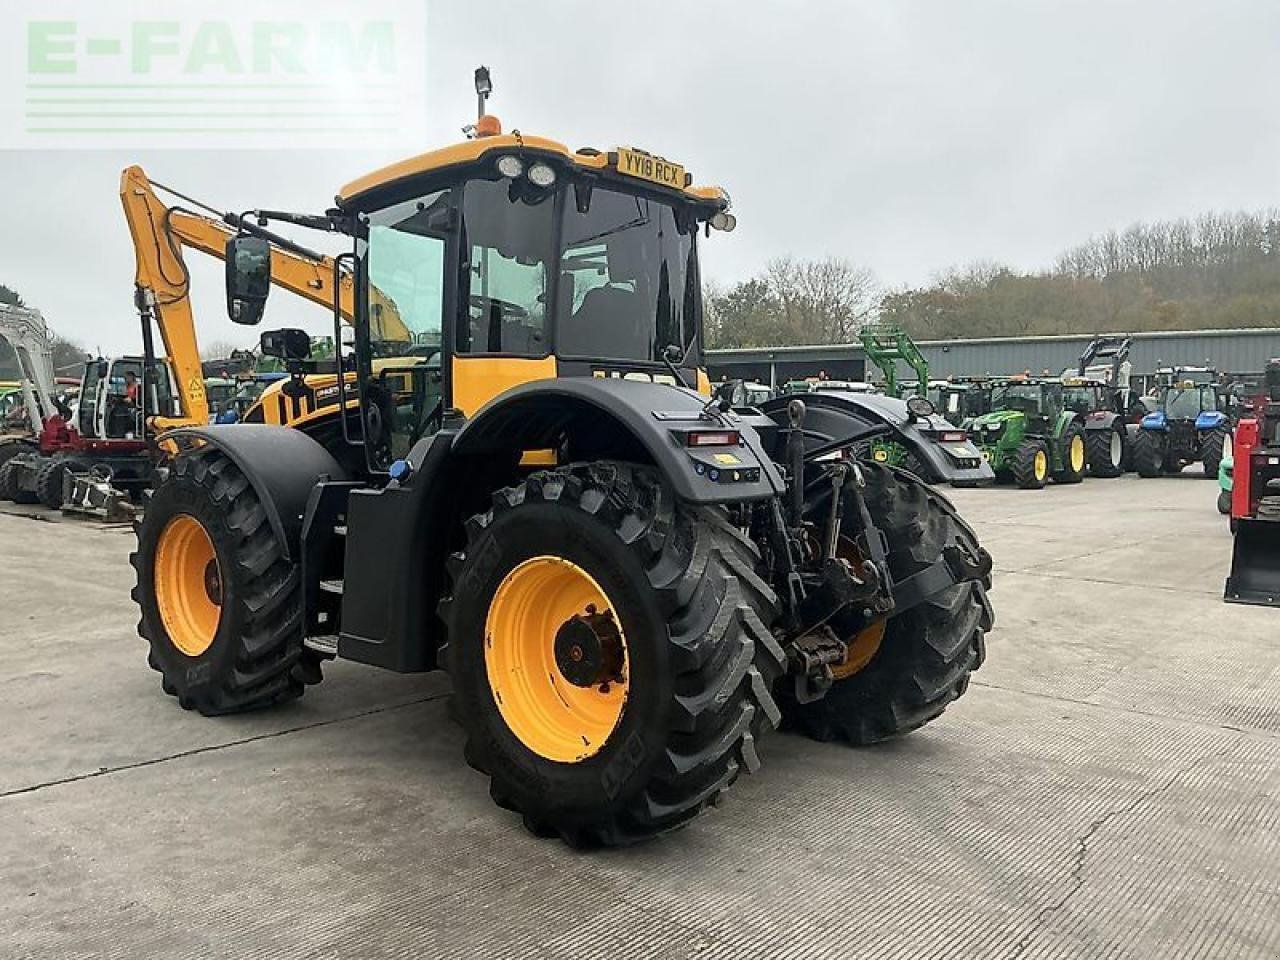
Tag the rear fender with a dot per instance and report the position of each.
(588, 418)
(1100, 420)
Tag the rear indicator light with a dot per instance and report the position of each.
(711, 438)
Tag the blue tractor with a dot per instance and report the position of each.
(1186, 426)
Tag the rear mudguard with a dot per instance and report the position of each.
(833, 415)
(1100, 420)
(628, 419)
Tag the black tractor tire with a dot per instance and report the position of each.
(1072, 436)
(1224, 502)
(1027, 474)
(256, 658)
(1212, 445)
(928, 652)
(1107, 452)
(49, 482)
(8, 482)
(700, 657)
(1148, 458)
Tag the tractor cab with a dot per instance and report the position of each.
(504, 260)
(1039, 401)
(962, 398)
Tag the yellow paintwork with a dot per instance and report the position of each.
(471, 151)
(1040, 466)
(860, 650)
(184, 553)
(539, 458)
(477, 380)
(703, 383)
(555, 719)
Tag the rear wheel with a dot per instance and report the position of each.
(8, 481)
(220, 605)
(1074, 456)
(1212, 445)
(1030, 464)
(610, 653)
(902, 673)
(1148, 458)
(1106, 451)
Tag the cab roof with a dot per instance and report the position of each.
(470, 152)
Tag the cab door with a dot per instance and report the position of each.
(400, 340)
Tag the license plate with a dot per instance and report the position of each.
(961, 449)
(644, 166)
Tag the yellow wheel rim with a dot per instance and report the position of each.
(860, 650)
(1041, 465)
(1077, 453)
(188, 585)
(556, 658)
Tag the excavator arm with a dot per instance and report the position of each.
(24, 330)
(161, 232)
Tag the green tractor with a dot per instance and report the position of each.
(1029, 435)
(884, 345)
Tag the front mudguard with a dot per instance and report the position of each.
(283, 465)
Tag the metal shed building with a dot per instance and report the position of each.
(1234, 351)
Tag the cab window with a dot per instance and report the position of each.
(505, 272)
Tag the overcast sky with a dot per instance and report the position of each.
(902, 134)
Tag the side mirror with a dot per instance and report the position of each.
(248, 278)
(286, 344)
(103, 367)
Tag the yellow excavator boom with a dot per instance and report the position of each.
(161, 232)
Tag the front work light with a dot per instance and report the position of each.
(541, 175)
(510, 166)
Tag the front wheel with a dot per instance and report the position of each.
(1224, 502)
(1212, 445)
(1148, 458)
(1071, 451)
(1030, 464)
(610, 652)
(221, 607)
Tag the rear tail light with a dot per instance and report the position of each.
(953, 436)
(712, 438)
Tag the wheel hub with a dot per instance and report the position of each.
(213, 582)
(556, 659)
(588, 649)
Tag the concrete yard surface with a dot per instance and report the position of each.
(1108, 787)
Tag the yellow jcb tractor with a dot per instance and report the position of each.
(628, 581)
